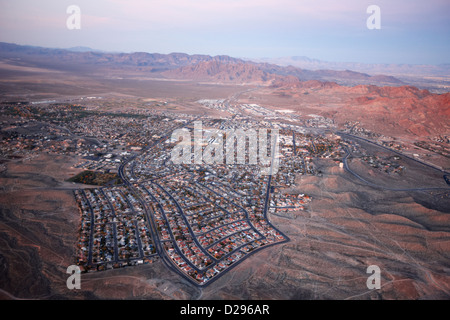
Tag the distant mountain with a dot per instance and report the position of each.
(346, 77)
(178, 65)
(235, 72)
(81, 56)
(370, 68)
(82, 49)
(435, 78)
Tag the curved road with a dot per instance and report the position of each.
(344, 160)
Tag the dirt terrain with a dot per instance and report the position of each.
(38, 227)
(349, 226)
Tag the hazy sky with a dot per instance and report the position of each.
(412, 31)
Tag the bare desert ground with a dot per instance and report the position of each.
(38, 227)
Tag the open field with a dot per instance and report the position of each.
(30, 82)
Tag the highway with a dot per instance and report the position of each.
(394, 151)
(347, 168)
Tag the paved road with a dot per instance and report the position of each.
(394, 151)
(91, 236)
(149, 215)
(267, 199)
(344, 160)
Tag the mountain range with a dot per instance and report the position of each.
(197, 67)
(370, 68)
(435, 78)
(381, 103)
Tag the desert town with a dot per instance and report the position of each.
(199, 219)
(137, 205)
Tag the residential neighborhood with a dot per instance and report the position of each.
(140, 206)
